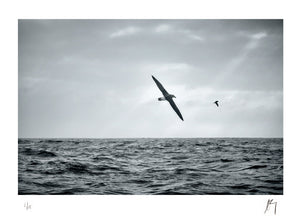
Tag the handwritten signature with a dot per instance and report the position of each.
(269, 203)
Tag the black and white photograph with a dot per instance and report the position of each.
(150, 107)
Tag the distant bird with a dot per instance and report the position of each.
(167, 97)
(216, 102)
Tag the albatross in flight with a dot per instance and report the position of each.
(167, 97)
(216, 102)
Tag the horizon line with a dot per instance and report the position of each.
(132, 137)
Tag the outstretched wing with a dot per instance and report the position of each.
(172, 103)
(159, 85)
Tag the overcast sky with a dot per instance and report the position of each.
(92, 78)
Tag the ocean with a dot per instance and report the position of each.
(149, 166)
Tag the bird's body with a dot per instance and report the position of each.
(217, 104)
(167, 97)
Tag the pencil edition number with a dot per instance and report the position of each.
(27, 206)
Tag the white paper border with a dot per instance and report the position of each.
(145, 207)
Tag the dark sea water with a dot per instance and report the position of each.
(196, 166)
